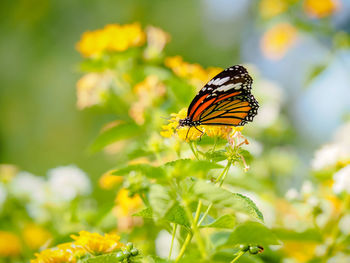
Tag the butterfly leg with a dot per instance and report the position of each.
(200, 138)
(187, 133)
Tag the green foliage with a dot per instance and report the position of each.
(252, 233)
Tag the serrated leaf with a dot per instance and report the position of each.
(145, 213)
(146, 169)
(252, 233)
(117, 133)
(221, 197)
(225, 221)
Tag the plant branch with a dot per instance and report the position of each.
(241, 253)
(172, 240)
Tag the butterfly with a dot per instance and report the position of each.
(225, 100)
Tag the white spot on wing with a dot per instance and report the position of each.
(220, 81)
(229, 86)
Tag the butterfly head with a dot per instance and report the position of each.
(187, 122)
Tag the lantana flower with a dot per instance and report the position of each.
(278, 40)
(113, 37)
(194, 133)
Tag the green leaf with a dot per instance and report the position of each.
(177, 215)
(160, 200)
(306, 236)
(117, 133)
(184, 167)
(216, 156)
(145, 213)
(224, 198)
(252, 233)
(107, 258)
(225, 221)
(146, 169)
(315, 72)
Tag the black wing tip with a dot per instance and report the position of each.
(252, 112)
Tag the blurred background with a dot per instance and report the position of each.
(298, 52)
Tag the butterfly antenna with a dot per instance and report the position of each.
(166, 118)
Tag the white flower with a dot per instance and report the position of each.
(329, 155)
(163, 242)
(67, 182)
(307, 188)
(292, 194)
(342, 180)
(344, 224)
(3, 194)
(28, 187)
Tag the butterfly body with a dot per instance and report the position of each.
(225, 100)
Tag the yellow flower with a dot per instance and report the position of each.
(147, 92)
(114, 38)
(91, 89)
(194, 133)
(271, 8)
(10, 245)
(193, 72)
(320, 8)
(126, 206)
(108, 181)
(278, 40)
(67, 252)
(7, 172)
(301, 251)
(35, 236)
(96, 244)
(156, 41)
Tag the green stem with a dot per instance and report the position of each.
(223, 173)
(205, 214)
(336, 231)
(195, 230)
(193, 150)
(184, 246)
(172, 241)
(223, 176)
(241, 253)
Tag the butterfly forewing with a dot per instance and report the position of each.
(225, 99)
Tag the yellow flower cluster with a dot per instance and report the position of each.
(67, 252)
(126, 205)
(278, 40)
(194, 72)
(147, 92)
(271, 8)
(10, 244)
(95, 243)
(194, 133)
(84, 243)
(35, 236)
(113, 37)
(108, 181)
(320, 8)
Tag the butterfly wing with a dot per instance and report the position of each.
(225, 100)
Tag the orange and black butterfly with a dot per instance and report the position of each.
(224, 100)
